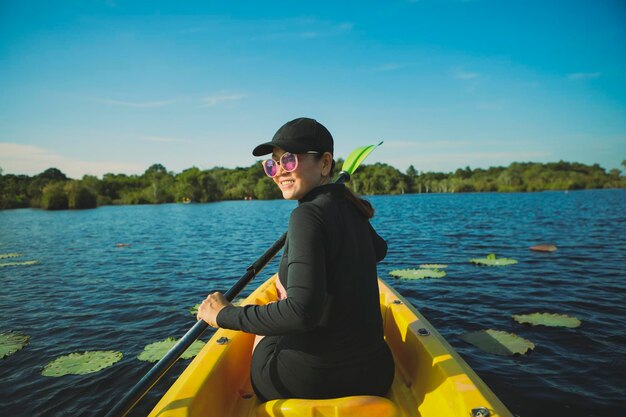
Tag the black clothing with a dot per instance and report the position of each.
(326, 338)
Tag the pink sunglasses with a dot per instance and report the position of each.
(288, 160)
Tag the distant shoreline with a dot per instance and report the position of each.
(362, 195)
(53, 190)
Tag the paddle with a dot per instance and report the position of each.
(144, 385)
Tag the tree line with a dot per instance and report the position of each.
(53, 190)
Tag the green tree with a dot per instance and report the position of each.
(463, 173)
(196, 185)
(54, 197)
(79, 196)
(52, 174)
(161, 185)
(40, 181)
(14, 191)
(115, 188)
(411, 179)
(265, 189)
(378, 179)
(52, 189)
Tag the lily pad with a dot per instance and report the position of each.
(155, 351)
(11, 342)
(194, 310)
(9, 255)
(433, 266)
(81, 363)
(417, 273)
(23, 263)
(547, 319)
(491, 260)
(543, 248)
(498, 342)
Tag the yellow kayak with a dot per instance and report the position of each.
(431, 379)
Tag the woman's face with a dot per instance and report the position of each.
(311, 172)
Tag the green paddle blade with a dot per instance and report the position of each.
(357, 156)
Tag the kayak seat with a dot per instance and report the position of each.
(356, 406)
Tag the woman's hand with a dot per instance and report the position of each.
(210, 308)
(280, 290)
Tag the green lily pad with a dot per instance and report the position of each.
(23, 263)
(547, 319)
(433, 266)
(417, 273)
(498, 342)
(491, 260)
(155, 351)
(194, 310)
(81, 363)
(11, 342)
(9, 255)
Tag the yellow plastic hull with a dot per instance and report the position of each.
(431, 378)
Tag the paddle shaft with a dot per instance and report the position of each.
(153, 376)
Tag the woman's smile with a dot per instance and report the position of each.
(296, 184)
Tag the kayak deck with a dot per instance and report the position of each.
(431, 378)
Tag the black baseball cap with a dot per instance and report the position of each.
(299, 136)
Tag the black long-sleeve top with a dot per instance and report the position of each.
(331, 314)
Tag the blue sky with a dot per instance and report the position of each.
(92, 87)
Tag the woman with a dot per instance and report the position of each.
(324, 339)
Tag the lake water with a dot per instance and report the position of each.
(88, 294)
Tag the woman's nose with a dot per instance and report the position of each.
(280, 169)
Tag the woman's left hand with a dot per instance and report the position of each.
(210, 308)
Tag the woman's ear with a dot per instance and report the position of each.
(327, 163)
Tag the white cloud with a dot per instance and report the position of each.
(163, 139)
(16, 158)
(192, 30)
(450, 154)
(389, 67)
(345, 26)
(301, 28)
(208, 101)
(426, 161)
(137, 104)
(221, 98)
(583, 75)
(111, 4)
(408, 145)
(464, 75)
(309, 35)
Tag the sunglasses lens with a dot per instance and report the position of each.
(289, 162)
(271, 167)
